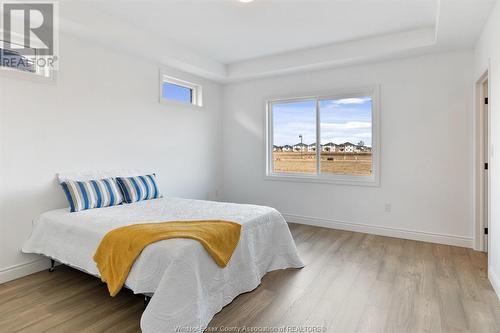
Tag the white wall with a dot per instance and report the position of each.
(426, 150)
(488, 52)
(103, 113)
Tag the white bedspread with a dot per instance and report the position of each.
(189, 288)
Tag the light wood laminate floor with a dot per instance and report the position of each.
(352, 282)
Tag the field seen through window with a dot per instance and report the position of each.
(359, 164)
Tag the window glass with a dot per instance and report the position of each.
(177, 93)
(294, 137)
(14, 60)
(346, 136)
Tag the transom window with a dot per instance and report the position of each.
(179, 91)
(331, 138)
(12, 61)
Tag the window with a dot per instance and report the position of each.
(175, 90)
(13, 62)
(330, 138)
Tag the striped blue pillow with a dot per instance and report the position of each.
(139, 188)
(89, 194)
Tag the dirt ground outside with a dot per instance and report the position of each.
(338, 163)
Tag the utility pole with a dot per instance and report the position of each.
(301, 147)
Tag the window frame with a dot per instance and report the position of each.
(318, 177)
(196, 90)
(41, 75)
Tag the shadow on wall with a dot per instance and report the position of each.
(20, 207)
(249, 125)
(37, 200)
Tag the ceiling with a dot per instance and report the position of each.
(231, 31)
(229, 40)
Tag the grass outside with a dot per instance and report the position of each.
(359, 164)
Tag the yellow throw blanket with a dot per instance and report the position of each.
(120, 247)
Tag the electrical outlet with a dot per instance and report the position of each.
(388, 207)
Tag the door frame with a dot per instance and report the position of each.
(481, 131)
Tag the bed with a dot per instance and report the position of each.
(187, 285)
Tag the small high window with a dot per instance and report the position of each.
(29, 63)
(179, 91)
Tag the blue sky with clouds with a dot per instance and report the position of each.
(342, 120)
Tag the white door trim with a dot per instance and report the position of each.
(479, 160)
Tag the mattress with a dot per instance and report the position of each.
(188, 286)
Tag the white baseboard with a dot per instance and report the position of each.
(495, 282)
(20, 270)
(382, 231)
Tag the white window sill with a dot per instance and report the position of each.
(370, 181)
(180, 104)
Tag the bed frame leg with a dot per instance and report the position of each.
(146, 301)
(52, 265)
